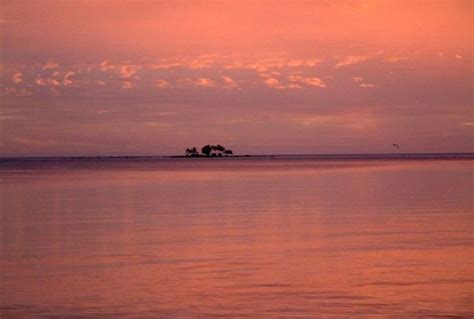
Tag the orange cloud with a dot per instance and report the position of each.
(362, 82)
(310, 81)
(352, 121)
(17, 78)
(314, 82)
(303, 62)
(202, 82)
(349, 60)
(276, 84)
(67, 81)
(13, 91)
(47, 82)
(127, 85)
(50, 65)
(165, 65)
(229, 82)
(273, 83)
(128, 72)
(204, 61)
(162, 84)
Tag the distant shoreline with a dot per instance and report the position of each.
(391, 156)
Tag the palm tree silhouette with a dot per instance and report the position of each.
(209, 151)
(206, 150)
(191, 152)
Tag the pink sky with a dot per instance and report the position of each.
(110, 77)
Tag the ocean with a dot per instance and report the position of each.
(269, 237)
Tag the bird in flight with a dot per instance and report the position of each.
(396, 145)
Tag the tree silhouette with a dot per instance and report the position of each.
(209, 151)
(191, 152)
(206, 150)
(219, 148)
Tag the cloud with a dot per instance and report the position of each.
(362, 82)
(125, 72)
(50, 65)
(229, 82)
(157, 124)
(239, 121)
(165, 65)
(106, 65)
(314, 82)
(265, 63)
(204, 61)
(67, 81)
(203, 82)
(17, 78)
(458, 56)
(127, 85)
(310, 81)
(295, 78)
(303, 62)
(351, 59)
(393, 59)
(47, 82)
(162, 84)
(128, 72)
(351, 121)
(12, 91)
(273, 83)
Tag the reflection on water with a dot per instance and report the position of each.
(237, 238)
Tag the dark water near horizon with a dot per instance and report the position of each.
(237, 238)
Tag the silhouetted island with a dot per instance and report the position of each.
(209, 151)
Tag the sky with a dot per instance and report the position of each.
(142, 77)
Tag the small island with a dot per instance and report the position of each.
(209, 151)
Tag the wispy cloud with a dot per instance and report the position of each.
(162, 84)
(47, 82)
(310, 81)
(351, 121)
(201, 81)
(13, 91)
(17, 78)
(127, 85)
(67, 79)
(362, 82)
(50, 65)
(273, 83)
(229, 82)
(204, 61)
(350, 60)
(314, 82)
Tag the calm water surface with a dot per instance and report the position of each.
(237, 238)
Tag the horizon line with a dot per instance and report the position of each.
(321, 155)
